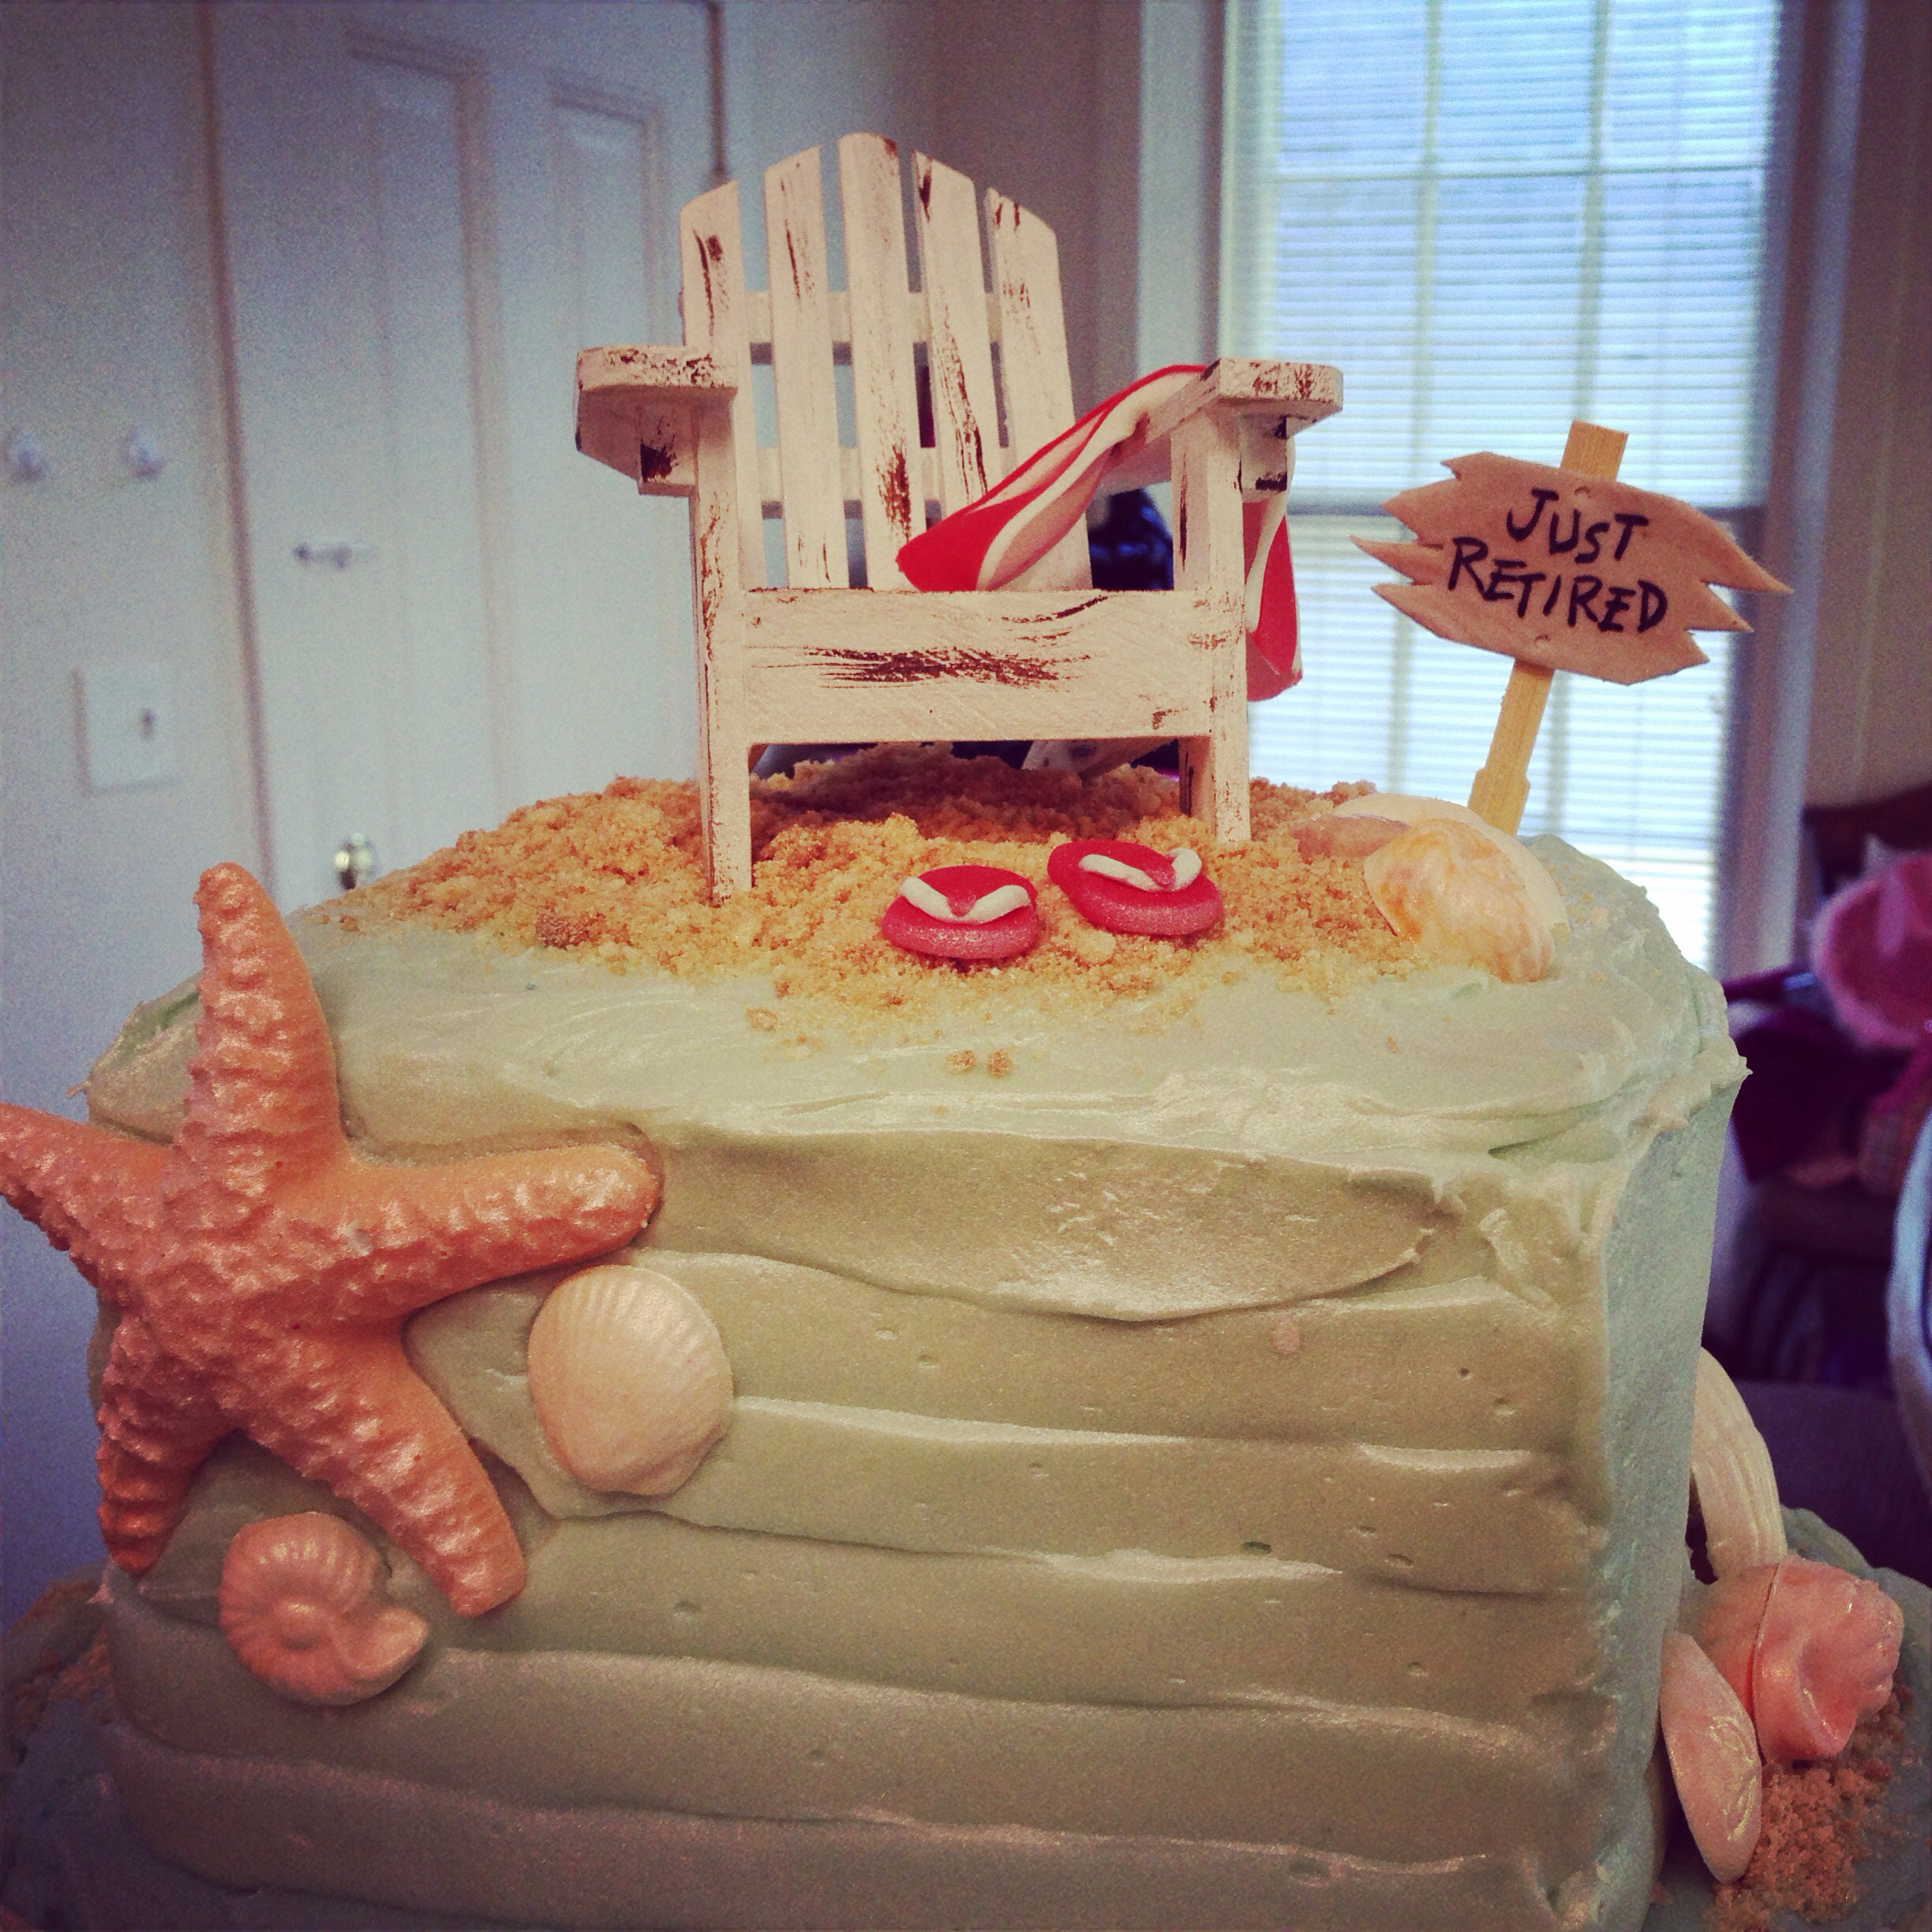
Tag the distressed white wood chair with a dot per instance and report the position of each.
(817, 661)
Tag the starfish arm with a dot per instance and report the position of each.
(157, 1427)
(350, 1412)
(262, 1101)
(89, 1191)
(393, 1239)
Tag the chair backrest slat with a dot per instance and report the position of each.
(1035, 378)
(958, 355)
(808, 439)
(715, 317)
(891, 486)
(801, 328)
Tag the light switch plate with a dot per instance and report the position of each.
(129, 733)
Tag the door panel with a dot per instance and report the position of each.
(422, 231)
(412, 271)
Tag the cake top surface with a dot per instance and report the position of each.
(565, 976)
(617, 876)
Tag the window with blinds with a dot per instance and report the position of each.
(1495, 215)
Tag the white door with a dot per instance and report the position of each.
(427, 210)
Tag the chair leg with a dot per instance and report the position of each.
(1209, 563)
(723, 794)
(724, 784)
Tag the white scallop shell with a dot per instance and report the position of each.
(1410, 810)
(301, 1603)
(1456, 895)
(1732, 1475)
(629, 1380)
(1713, 1758)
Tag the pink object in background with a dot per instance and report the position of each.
(1872, 947)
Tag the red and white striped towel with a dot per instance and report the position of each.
(996, 538)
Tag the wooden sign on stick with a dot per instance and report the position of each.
(1562, 568)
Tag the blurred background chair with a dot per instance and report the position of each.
(1821, 1132)
(1822, 1315)
(1908, 1308)
(1860, 1458)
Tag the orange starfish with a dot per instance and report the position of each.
(263, 1272)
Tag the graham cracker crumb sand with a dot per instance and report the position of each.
(1816, 1825)
(617, 877)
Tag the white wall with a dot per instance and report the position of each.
(1039, 99)
(1837, 692)
(107, 321)
(1871, 699)
(1042, 103)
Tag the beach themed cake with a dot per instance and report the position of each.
(1153, 1430)
(916, 1343)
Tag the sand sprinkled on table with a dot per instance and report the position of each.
(617, 877)
(1818, 1820)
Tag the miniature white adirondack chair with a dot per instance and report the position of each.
(817, 660)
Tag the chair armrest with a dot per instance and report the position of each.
(636, 411)
(1269, 401)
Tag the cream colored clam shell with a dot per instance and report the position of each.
(629, 1380)
(1411, 810)
(1454, 894)
(1713, 1758)
(301, 1603)
(1732, 1476)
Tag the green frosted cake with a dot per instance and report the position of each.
(1204, 1426)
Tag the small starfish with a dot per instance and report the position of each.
(263, 1272)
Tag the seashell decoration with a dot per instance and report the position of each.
(301, 1603)
(1450, 889)
(1809, 1648)
(1406, 808)
(1731, 1474)
(1713, 1758)
(629, 1380)
(1731, 1615)
(1340, 835)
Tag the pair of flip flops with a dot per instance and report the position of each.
(981, 913)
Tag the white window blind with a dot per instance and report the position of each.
(1495, 215)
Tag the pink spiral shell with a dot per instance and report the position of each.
(302, 1605)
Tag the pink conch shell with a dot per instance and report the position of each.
(1825, 1658)
(300, 1605)
(1713, 1758)
(1446, 887)
(1809, 1648)
(629, 1380)
(1731, 1472)
(1728, 1628)
(1339, 835)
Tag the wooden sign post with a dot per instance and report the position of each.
(1561, 568)
(1502, 787)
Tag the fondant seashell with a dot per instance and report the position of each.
(301, 1603)
(1409, 809)
(1825, 1656)
(1448, 888)
(1728, 1621)
(1731, 1474)
(1339, 835)
(1809, 1648)
(1713, 1758)
(629, 1380)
